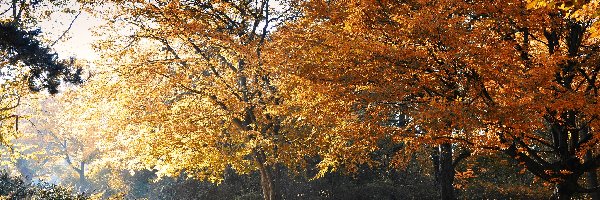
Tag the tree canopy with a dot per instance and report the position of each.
(289, 93)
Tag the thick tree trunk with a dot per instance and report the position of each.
(592, 179)
(83, 182)
(267, 182)
(81, 173)
(592, 182)
(563, 192)
(446, 172)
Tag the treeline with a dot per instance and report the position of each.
(364, 99)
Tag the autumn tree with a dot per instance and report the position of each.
(353, 62)
(516, 77)
(192, 93)
(63, 139)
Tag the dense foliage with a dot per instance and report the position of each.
(17, 188)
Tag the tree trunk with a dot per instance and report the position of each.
(563, 192)
(266, 179)
(83, 183)
(14, 11)
(592, 179)
(81, 172)
(446, 172)
(435, 157)
(592, 182)
(23, 168)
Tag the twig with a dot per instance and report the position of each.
(65, 32)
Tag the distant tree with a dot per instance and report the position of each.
(27, 64)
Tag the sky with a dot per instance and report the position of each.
(78, 40)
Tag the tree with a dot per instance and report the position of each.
(506, 76)
(20, 48)
(196, 98)
(65, 138)
(26, 64)
(351, 49)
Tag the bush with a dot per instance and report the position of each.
(15, 188)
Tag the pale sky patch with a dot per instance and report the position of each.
(78, 40)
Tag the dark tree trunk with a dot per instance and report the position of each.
(14, 11)
(446, 172)
(592, 182)
(435, 157)
(563, 191)
(592, 179)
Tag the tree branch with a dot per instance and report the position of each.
(65, 32)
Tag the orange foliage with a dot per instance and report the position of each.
(517, 77)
